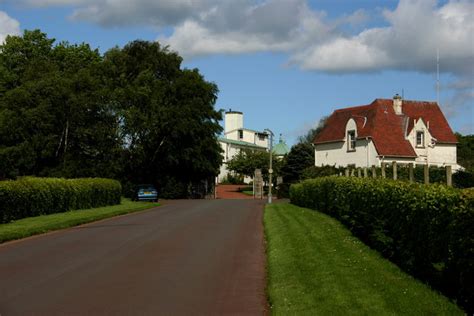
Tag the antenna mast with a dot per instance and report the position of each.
(437, 75)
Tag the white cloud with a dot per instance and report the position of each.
(416, 30)
(8, 26)
(242, 27)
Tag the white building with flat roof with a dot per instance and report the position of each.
(237, 138)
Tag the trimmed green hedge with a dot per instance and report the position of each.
(428, 230)
(30, 196)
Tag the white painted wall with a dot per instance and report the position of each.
(249, 136)
(434, 153)
(230, 150)
(233, 121)
(366, 155)
(336, 154)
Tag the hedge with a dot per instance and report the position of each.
(30, 196)
(428, 230)
(461, 179)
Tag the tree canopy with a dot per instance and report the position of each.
(132, 114)
(246, 161)
(465, 150)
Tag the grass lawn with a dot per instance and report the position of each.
(41, 224)
(316, 267)
(248, 193)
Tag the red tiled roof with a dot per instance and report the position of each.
(387, 130)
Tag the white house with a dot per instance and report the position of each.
(236, 138)
(384, 131)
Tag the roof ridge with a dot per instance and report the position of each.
(352, 108)
(407, 100)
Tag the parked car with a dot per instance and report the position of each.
(145, 192)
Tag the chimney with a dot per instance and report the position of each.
(397, 104)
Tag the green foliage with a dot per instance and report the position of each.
(54, 116)
(300, 157)
(246, 161)
(460, 179)
(173, 189)
(133, 114)
(426, 230)
(29, 196)
(317, 172)
(167, 117)
(231, 178)
(465, 151)
(463, 179)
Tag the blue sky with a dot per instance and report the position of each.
(286, 63)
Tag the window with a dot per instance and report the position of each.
(241, 134)
(351, 140)
(261, 137)
(420, 139)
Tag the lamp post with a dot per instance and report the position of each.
(270, 170)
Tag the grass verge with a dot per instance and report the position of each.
(41, 224)
(316, 267)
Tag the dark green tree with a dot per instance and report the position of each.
(465, 152)
(167, 116)
(300, 157)
(54, 116)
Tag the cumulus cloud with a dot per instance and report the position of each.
(243, 27)
(413, 31)
(411, 34)
(416, 30)
(8, 26)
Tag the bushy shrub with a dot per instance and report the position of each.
(323, 171)
(233, 179)
(174, 189)
(463, 179)
(428, 230)
(30, 196)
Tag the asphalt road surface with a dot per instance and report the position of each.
(192, 257)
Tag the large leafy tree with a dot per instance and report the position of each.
(465, 149)
(246, 161)
(300, 157)
(53, 116)
(166, 113)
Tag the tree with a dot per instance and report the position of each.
(300, 157)
(465, 151)
(246, 161)
(53, 116)
(167, 116)
(313, 132)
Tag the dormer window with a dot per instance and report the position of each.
(351, 140)
(241, 134)
(420, 139)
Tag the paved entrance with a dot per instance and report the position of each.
(231, 191)
(192, 257)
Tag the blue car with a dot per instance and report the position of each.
(145, 192)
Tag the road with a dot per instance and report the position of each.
(199, 257)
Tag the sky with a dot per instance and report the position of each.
(286, 63)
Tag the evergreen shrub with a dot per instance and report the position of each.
(31, 196)
(428, 230)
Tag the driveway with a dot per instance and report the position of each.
(187, 257)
